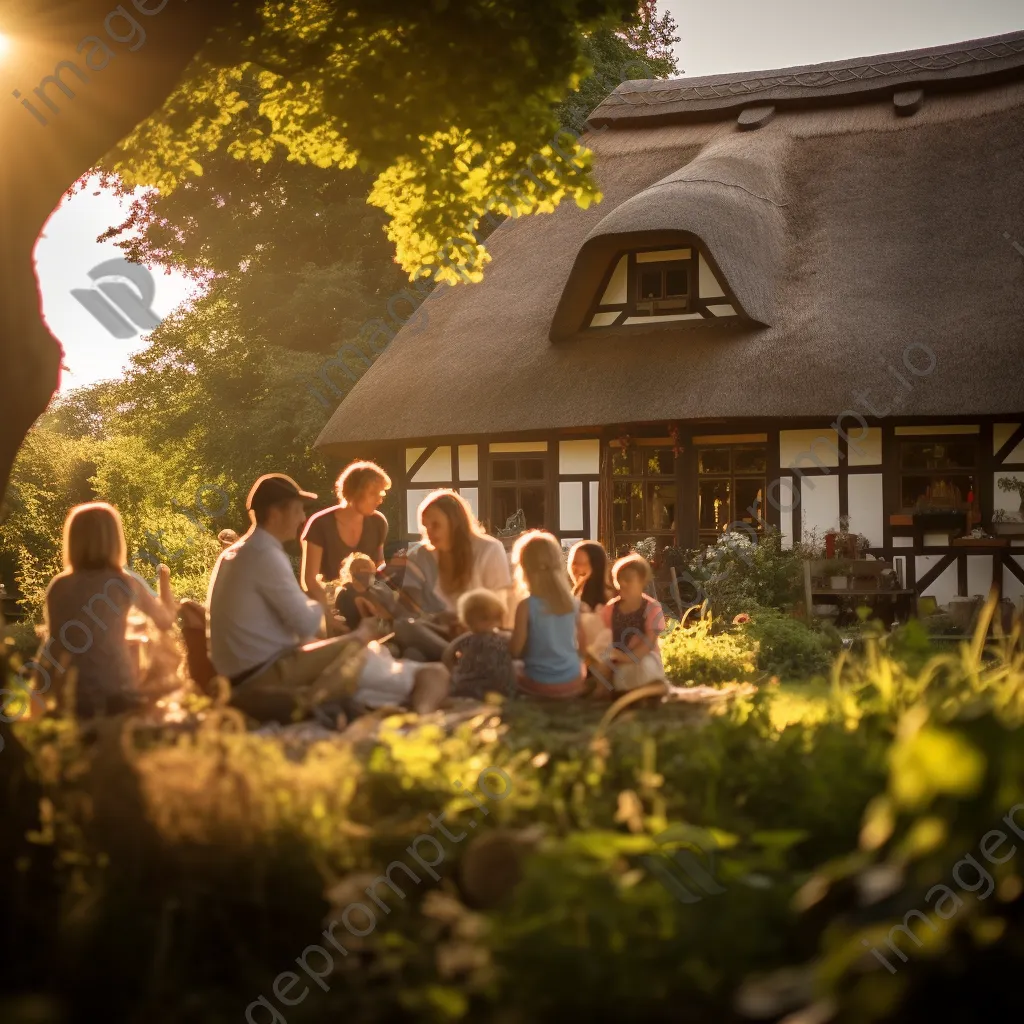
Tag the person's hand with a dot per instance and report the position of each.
(338, 625)
(164, 573)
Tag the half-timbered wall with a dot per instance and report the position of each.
(814, 474)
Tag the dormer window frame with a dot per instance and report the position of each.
(707, 296)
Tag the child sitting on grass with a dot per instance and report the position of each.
(635, 621)
(547, 633)
(479, 660)
(352, 603)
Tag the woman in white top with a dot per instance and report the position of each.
(455, 556)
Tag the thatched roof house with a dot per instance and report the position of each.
(832, 252)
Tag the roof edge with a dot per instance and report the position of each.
(969, 64)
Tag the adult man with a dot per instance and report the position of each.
(262, 627)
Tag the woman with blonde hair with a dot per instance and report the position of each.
(454, 557)
(87, 607)
(354, 524)
(547, 633)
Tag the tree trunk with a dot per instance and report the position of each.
(41, 162)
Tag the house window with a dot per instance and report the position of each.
(644, 499)
(730, 488)
(937, 473)
(518, 481)
(659, 285)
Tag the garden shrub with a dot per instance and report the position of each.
(787, 647)
(736, 575)
(697, 655)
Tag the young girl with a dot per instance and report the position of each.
(357, 573)
(635, 621)
(87, 609)
(547, 633)
(588, 568)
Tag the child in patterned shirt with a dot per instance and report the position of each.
(479, 659)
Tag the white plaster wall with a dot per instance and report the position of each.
(1012, 587)
(1009, 501)
(1001, 433)
(616, 290)
(944, 588)
(579, 457)
(469, 462)
(785, 502)
(863, 451)
(594, 498)
(979, 575)
(413, 497)
(794, 446)
(437, 469)
(519, 446)
(472, 495)
(570, 505)
(819, 503)
(865, 494)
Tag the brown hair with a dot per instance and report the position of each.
(345, 572)
(356, 477)
(463, 525)
(540, 566)
(592, 589)
(633, 563)
(94, 538)
(480, 604)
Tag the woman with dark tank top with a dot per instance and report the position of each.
(352, 525)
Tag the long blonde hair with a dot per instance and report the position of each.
(540, 568)
(94, 538)
(463, 526)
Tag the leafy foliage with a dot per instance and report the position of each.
(696, 655)
(787, 647)
(736, 574)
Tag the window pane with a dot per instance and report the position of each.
(503, 469)
(533, 505)
(650, 284)
(504, 505)
(531, 469)
(676, 282)
(661, 506)
(627, 462)
(750, 460)
(749, 500)
(943, 490)
(939, 454)
(713, 505)
(713, 460)
(660, 462)
(628, 507)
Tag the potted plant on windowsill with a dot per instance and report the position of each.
(839, 574)
(1007, 524)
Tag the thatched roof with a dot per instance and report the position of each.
(845, 231)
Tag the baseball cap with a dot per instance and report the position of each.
(275, 487)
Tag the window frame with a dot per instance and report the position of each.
(697, 309)
(516, 485)
(972, 472)
(709, 537)
(667, 537)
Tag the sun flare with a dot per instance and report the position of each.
(5, 45)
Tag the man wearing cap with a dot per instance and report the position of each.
(263, 628)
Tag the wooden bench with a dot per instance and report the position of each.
(865, 584)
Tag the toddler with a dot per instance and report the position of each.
(635, 620)
(357, 573)
(479, 660)
(547, 633)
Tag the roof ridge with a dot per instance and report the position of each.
(968, 59)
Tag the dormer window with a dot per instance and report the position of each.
(661, 285)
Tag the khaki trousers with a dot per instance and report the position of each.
(290, 687)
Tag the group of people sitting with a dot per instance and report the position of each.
(451, 615)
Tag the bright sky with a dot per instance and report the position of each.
(729, 35)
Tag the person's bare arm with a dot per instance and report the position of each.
(156, 610)
(448, 658)
(312, 560)
(520, 630)
(167, 598)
